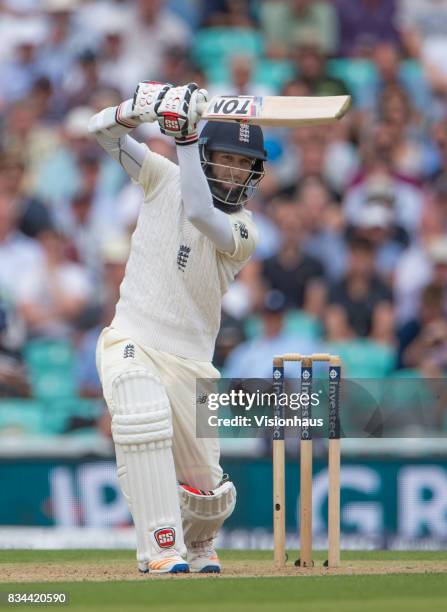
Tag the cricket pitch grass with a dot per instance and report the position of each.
(97, 580)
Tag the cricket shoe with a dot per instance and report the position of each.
(167, 562)
(203, 559)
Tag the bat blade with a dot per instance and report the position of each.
(276, 111)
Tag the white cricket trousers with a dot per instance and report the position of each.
(196, 459)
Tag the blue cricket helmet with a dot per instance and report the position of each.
(239, 139)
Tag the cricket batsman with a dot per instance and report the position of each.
(193, 235)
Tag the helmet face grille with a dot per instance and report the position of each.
(231, 193)
(239, 139)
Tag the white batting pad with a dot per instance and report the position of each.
(142, 432)
(203, 514)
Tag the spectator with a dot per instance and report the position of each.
(33, 216)
(376, 225)
(379, 183)
(17, 252)
(410, 157)
(242, 81)
(438, 256)
(253, 358)
(423, 340)
(246, 293)
(111, 62)
(18, 128)
(303, 156)
(434, 215)
(105, 96)
(48, 106)
(341, 159)
(65, 39)
(289, 23)
(18, 73)
(87, 217)
(439, 138)
(310, 62)
(390, 71)
(52, 296)
(420, 264)
(81, 82)
(176, 65)
(376, 150)
(290, 271)
(360, 304)
(269, 236)
(229, 13)
(424, 30)
(27, 135)
(59, 177)
(365, 23)
(324, 153)
(152, 26)
(296, 87)
(322, 225)
(13, 375)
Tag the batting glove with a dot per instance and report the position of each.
(146, 100)
(177, 112)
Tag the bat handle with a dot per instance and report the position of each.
(201, 108)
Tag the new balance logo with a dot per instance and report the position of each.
(129, 351)
(182, 256)
(242, 230)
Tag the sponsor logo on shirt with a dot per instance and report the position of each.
(242, 230)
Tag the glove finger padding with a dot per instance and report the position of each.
(177, 112)
(147, 98)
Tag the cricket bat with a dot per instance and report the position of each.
(276, 111)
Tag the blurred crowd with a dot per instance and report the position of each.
(352, 218)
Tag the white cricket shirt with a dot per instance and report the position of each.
(170, 298)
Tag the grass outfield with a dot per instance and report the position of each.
(390, 590)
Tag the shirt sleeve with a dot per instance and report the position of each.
(155, 170)
(111, 129)
(198, 201)
(245, 235)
